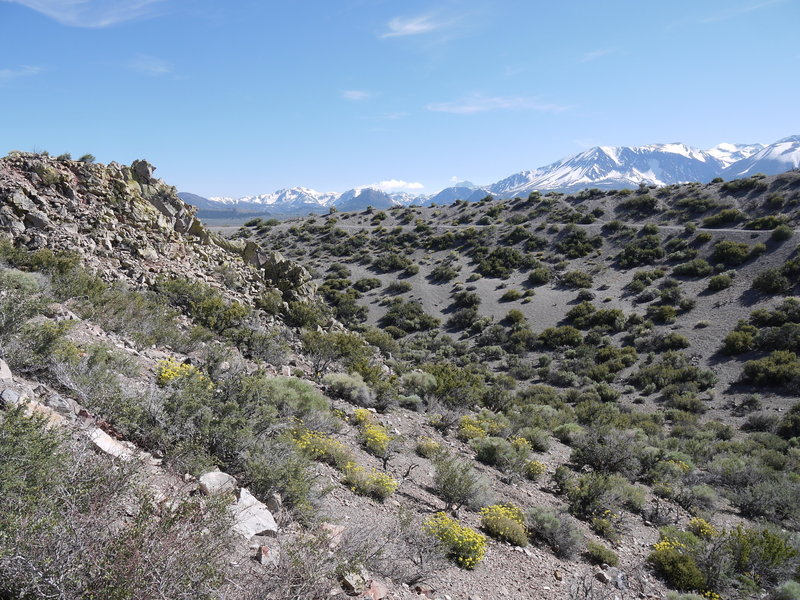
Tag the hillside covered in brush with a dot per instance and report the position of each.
(559, 396)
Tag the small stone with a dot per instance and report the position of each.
(109, 445)
(252, 517)
(603, 577)
(267, 556)
(557, 575)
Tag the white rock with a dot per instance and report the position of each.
(217, 482)
(5, 372)
(109, 445)
(251, 517)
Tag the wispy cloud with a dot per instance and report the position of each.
(23, 71)
(595, 54)
(478, 104)
(150, 65)
(400, 26)
(356, 95)
(741, 10)
(91, 13)
(398, 184)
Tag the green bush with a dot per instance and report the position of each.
(539, 276)
(365, 284)
(728, 216)
(720, 282)
(730, 253)
(646, 250)
(457, 483)
(782, 233)
(789, 590)
(576, 279)
(505, 522)
(772, 281)
(510, 296)
(679, 569)
(695, 268)
(558, 337)
(601, 555)
(777, 369)
(555, 529)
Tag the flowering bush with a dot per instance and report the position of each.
(464, 545)
(369, 483)
(169, 369)
(505, 522)
(534, 469)
(374, 437)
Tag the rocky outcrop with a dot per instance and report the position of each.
(125, 224)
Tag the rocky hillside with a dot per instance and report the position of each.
(550, 397)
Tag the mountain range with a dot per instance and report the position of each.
(605, 167)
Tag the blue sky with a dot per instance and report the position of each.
(235, 97)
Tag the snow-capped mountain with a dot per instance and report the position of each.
(287, 197)
(602, 167)
(781, 156)
(728, 154)
(615, 167)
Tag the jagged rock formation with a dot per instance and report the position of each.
(127, 224)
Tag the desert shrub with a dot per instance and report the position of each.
(536, 437)
(673, 368)
(464, 545)
(501, 453)
(457, 483)
(322, 447)
(671, 560)
(76, 502)
(374, 437)
(576, 243)
(610, 451)
(639, 206)
(576, 279)
(500, 262)
(348, 387)
(558, 337)
(694, 268)
(727, 216)
(203, 303)
(737, 342)
(398, 287)
(533, 470)
(443, 273)
(730, 253)
(365, 284)
(428, 448)
(645, 250)
(370, 483)
(305, 314)
(601, 555)
(777, 369)
(782, 233)
(789, 426)
(539, 276)
(720, 282)
(510, 296)
(466, 299)
(276, 466)
(325, 348)
(600, 495)
(772, 281)
(505, 522)
(555, 529)
(409, 317)
(789, 590)
(661, 313)
(463, 318)
(764, 555)
(391, 262)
